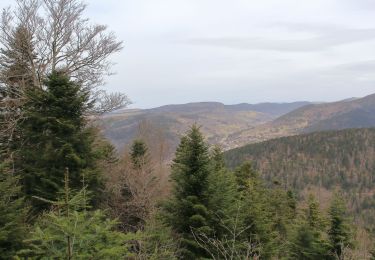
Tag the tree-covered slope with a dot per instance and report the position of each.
(324, 160)
(356, 118)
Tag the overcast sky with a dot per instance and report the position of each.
(232, 51)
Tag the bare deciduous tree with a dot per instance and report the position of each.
(62, 39)
(40, 36)
(145, 186)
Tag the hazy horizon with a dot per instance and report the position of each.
(134, 106)
(239, 51)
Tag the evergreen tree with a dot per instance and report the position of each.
(282, 212)
(139, 154)
(223, 195)
(16, 63)
(307, 244)
(313, 216)
(340, 234)
(155, 241)
(256, 216)
(70, 231)
(292, 203)
(57, 136)
(187, 209)
(244, 174)
(12, 214)
(308, 241)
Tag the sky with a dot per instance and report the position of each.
(235, 51)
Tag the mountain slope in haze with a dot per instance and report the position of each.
(350, 113)
(319, 161)
(335, 115)
(218, 121)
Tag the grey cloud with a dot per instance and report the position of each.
(360, 4)
(327, 38)
(363, 66)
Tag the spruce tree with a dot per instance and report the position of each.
(139, 154)
(340, 234)
(309, 239)
(256, 216)
(187, 210)
(12, 214)
(56, 136)
(70, 231)
(223, 195)
(16, 63)
(155, 241)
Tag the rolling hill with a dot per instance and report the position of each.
(236, 125)
(350, 113)
(218, 121)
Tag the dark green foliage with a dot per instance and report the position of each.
(322, 160)
(282, 217)
(308, 244)
(313, 216)
(309, 240)
(70, 231)
(223, 194)
(56, 137)
(139, 154)
(187, 208)
(340, 233)
(155, 241)
(256, 215)
(244, 174)
(12, 214)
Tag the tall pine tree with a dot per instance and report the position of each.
(187, 210)
(340, 234)
(223, 195)
(56, 137)
(12, 214)
(139, 154)
(255, 209)
(309, 238)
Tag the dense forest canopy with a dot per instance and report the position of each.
(321, 161)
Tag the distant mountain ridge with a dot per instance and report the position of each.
(349, 113)
(274, 109)
(236, 125)
(218, 121)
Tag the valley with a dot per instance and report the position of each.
(232, 126)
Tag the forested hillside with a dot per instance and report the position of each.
(324, 160)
